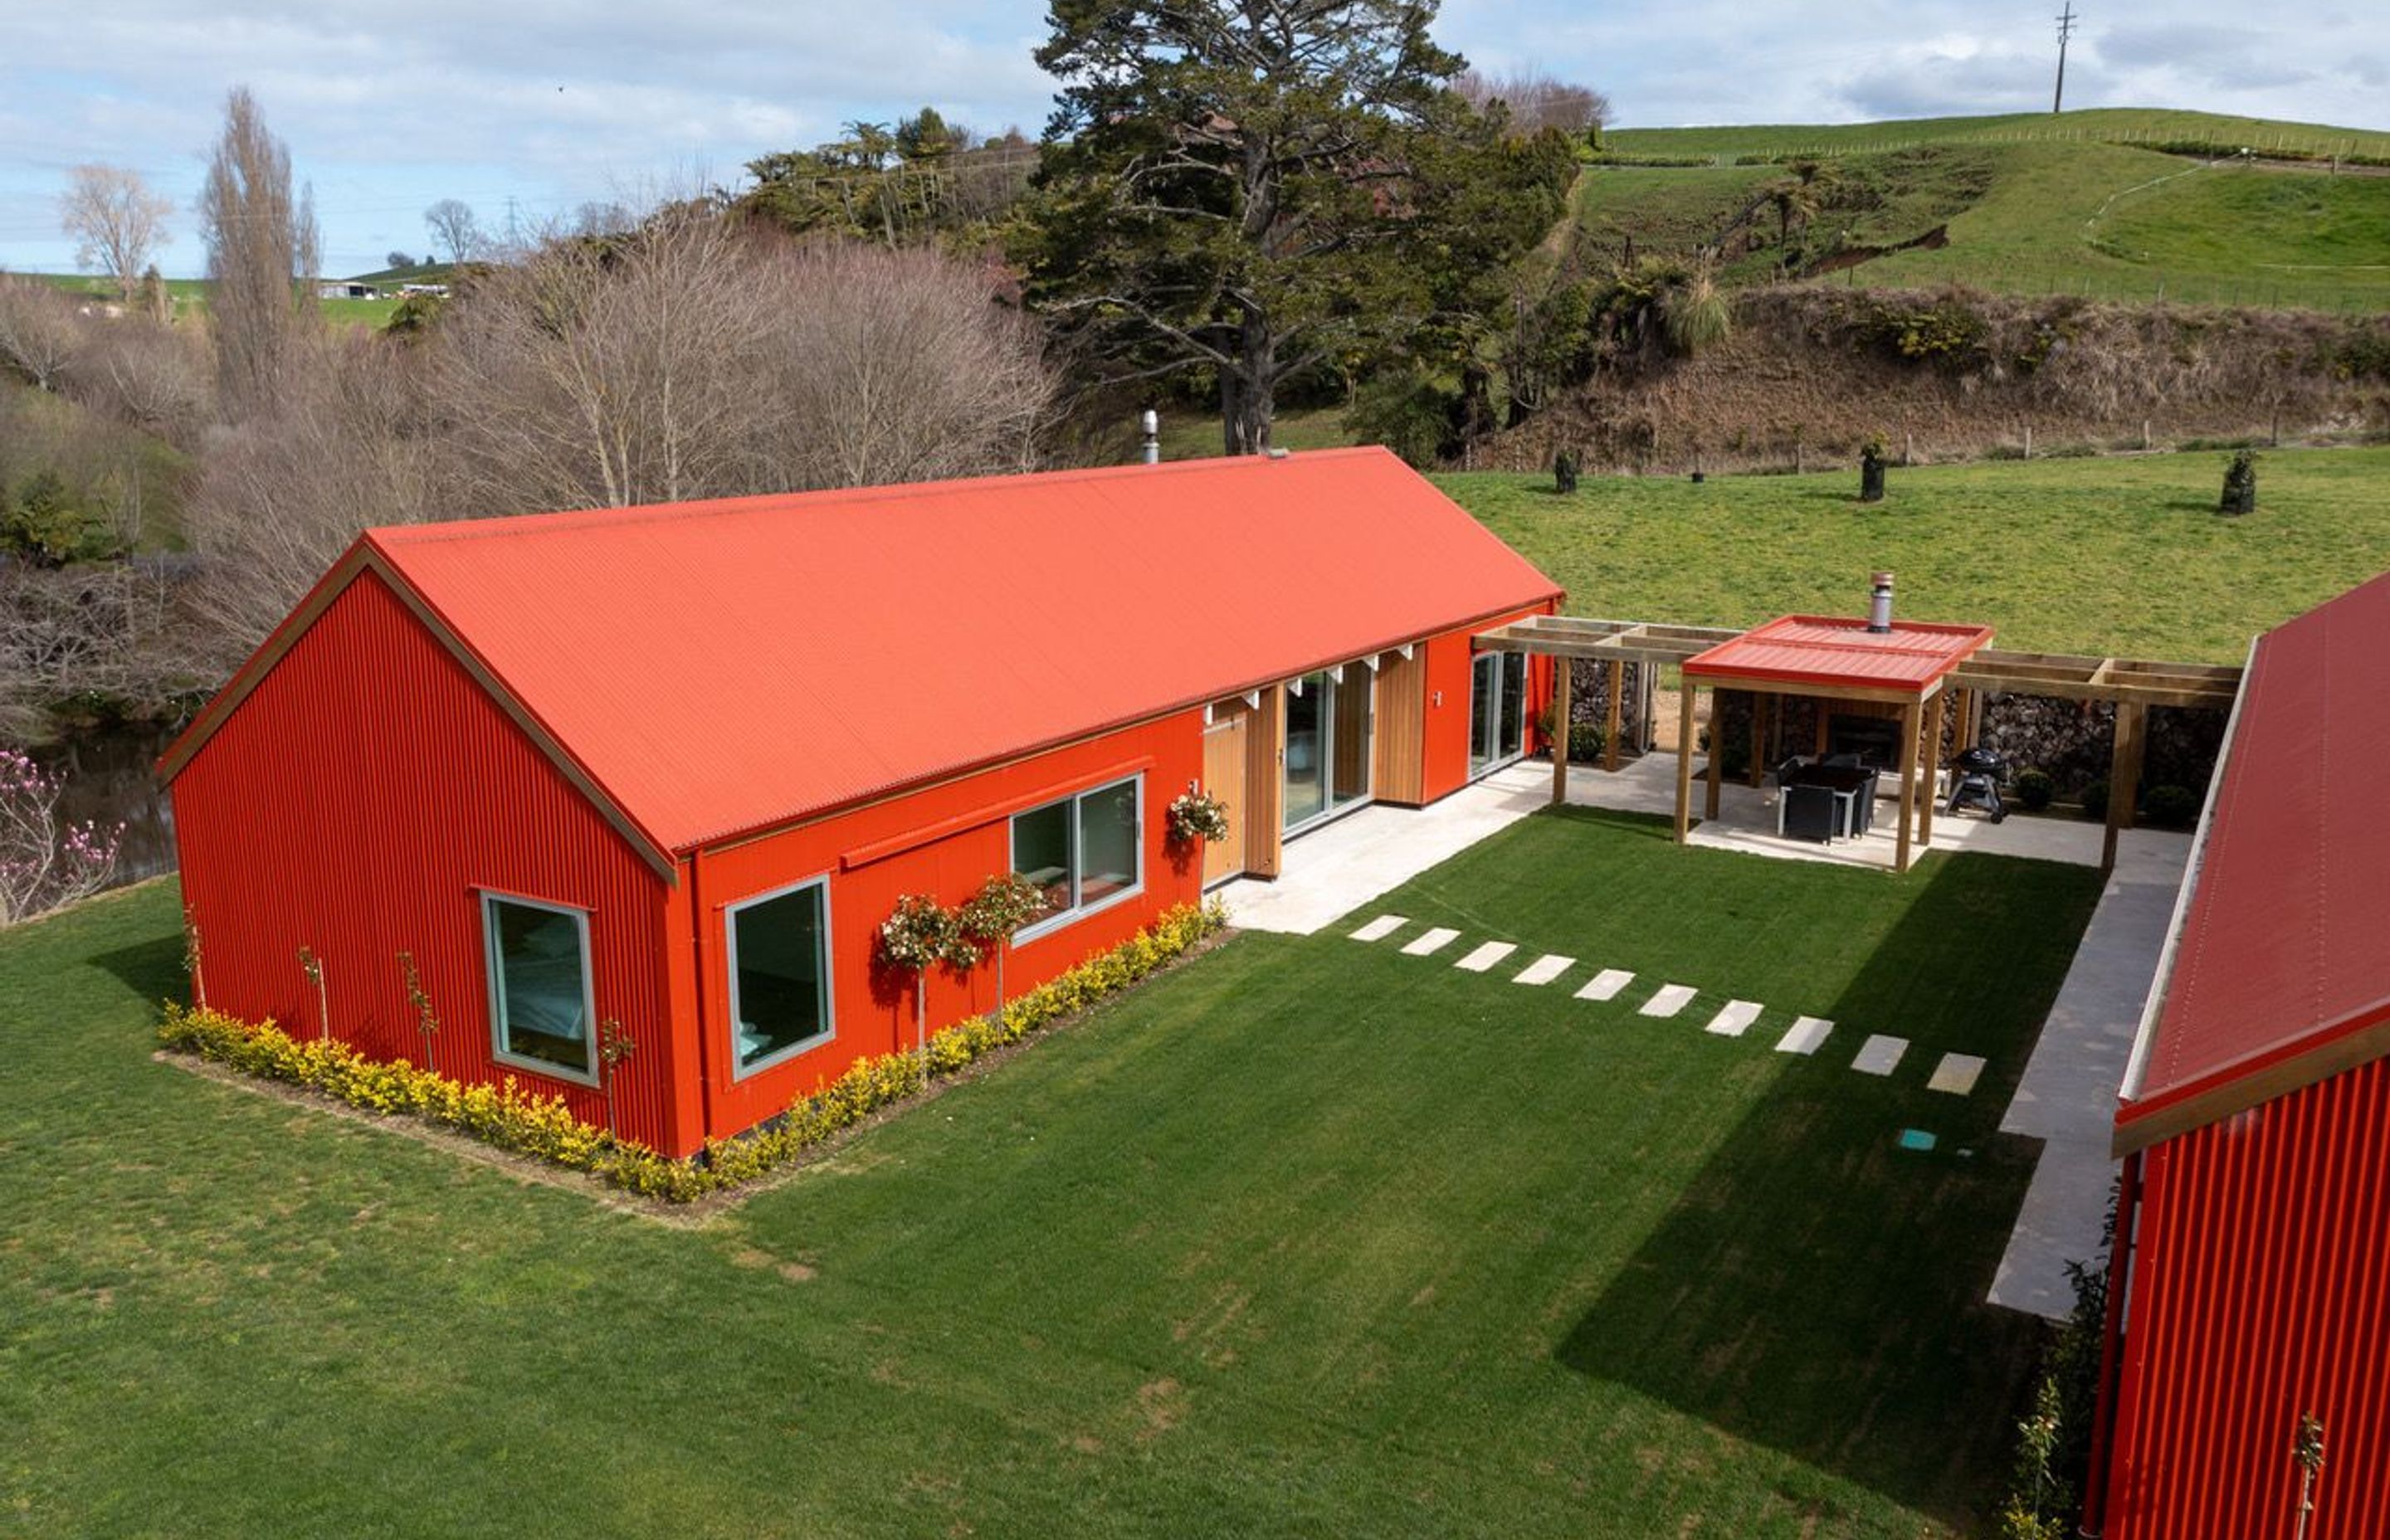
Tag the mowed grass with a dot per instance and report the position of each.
(2121, 556)
(2124, 124)
(1306, 1238)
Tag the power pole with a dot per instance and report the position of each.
(2065, 30)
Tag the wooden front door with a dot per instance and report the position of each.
(1223, 776)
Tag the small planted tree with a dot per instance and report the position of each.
(989, 917)
(921, 934)
(2240, 484)
(1871, 469)
(1564, 471)
(426, 1021)
(45, 861)
(614, 1048)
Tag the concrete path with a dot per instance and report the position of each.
(2068, 1095)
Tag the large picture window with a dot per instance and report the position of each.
(1083, 851)
(779, 974)
(541, 1015)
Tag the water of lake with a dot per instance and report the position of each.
(111, 779)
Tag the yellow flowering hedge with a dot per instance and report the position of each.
(528, 1122)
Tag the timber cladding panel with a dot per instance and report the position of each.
(2258, 1294)
(1401, 765)
(1264, 782)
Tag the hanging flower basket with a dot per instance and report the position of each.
(1198, 816)
(919, 935)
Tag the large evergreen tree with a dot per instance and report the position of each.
(1257, 189)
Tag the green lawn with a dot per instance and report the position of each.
(2123, 555)
(1306, 1238)
(2120, 124)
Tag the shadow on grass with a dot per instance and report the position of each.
(153, 969)
(1819, 1290)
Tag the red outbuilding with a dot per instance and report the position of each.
(660, 772)
(2250, 1285)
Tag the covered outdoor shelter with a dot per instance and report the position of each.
(1829, 657)
(1922, 674)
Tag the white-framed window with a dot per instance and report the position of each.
(780, 996)
(543, 1010)
(1086, 851)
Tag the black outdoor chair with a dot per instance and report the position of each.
(1808, 813)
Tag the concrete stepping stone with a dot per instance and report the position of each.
(1956, 1074)
(1735, 1019)
(1671, 999)
(1879, 1054)
(1380, 927)
(1809, 1034)
(1544, 969)
(1430, 941)
(1487, 956)
(1606, 984)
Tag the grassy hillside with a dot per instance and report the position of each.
(191, 295)
(2082, 203)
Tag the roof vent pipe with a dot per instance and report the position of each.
(1150, 421)
(1879, 605)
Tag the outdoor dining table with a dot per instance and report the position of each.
(1853, 791)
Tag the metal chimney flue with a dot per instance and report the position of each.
(1149, 421)
(1879, 605)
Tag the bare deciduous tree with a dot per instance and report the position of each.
(279, 498)
(689, 361)
(452, 226)
(1536, 100)
(149, 373)
(116, 220)
(254, 236)
(40, 332)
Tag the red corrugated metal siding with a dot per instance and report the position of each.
(873, 1013)
(2259, 1292)
(355, 804)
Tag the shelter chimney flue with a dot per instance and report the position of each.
(1879, 605)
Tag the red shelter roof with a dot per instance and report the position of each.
(2280, 973)
(720, 667)
(1833, 652)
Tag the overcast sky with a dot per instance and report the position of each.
(542, 105)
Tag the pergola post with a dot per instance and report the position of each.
(2123, 777)
(1560, 729)
(1909, 727)
(1685, 758)
(1715, 770)
(1611, 731)
(1933, 763)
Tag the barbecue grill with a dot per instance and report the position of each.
(1976, 783)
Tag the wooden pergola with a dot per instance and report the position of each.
(2132, 686)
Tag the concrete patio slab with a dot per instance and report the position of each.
(1956, 1074)
(1430, 941)
(1671, 999)
(1880, 1055)
(1809, 1034)
(2067, 1097)
(1734, 1019)
(1606, 984)
(1544, 969)
(1380, 927)
(1485, 956)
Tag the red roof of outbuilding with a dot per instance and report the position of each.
(1833, 651)
(721, 667)
(2280, 974)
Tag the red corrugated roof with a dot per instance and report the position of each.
(1830, 650)
(2284, 948)
(720, 667)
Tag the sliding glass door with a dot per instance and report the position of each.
(1327, 743)
(1497, 710)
